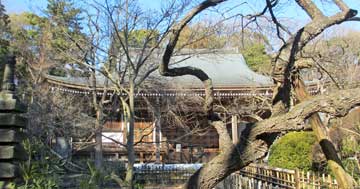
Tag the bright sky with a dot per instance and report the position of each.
(289, 9)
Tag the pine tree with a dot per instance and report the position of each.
(4, 37)
(65, 28)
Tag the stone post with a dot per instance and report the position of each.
(12, 125)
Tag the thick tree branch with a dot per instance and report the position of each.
(337, 104)
(285, 59)
(253, 142)
(354, 19)
(174, 36)
(176, 30)
(320, 131)
(285, 76)
(342, 6)
(310, 8)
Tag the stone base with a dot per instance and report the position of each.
(12, 120)
(13, 152)
(11, 135)
(8, 170)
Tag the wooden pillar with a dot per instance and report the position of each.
(234, 129)
(157, 129)
(167, 152)
(141, 157)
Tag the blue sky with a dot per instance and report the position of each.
(289, 9)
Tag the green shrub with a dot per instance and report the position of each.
(40, 171)
(95, 179)
(293, 150)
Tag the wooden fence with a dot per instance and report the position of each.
(253, 176)
(261, 176)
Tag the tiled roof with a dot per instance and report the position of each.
(225, 70)
(228, 70)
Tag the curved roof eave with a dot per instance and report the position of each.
(225, 70)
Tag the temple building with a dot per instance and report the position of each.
(240, 96)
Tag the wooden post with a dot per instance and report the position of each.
(167, 151)
(288, 179)
(141, 157)
(240, 181)
(297, 178)
(234, 129)
(259, 184)
(303, 179)
(314, 181)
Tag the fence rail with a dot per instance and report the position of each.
(253, 176)
(262, 176)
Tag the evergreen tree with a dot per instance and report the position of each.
(4, 37)
(42, 41)
(256, 58)
(65, 26)
(65, 21)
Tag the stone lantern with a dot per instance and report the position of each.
(12, 125)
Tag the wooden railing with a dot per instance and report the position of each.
(261, 176)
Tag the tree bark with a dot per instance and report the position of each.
(130, 137)
(327, 146)
(231, 158)
(285, 76)
(98, 141)
(253, 143)
(285, 59)
(98, 126)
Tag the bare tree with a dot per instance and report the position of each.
(114, 38)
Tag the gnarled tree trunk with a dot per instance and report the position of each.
(255, 141)
(327, 146)
(287, 77)
(253, 144)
